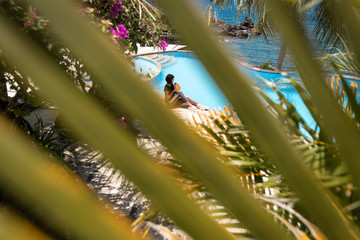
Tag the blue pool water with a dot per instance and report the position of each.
(145, 67)
(194, 80)
(197, 84)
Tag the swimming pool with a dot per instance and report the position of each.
(194, 80)
(197, 84)
(146, 67)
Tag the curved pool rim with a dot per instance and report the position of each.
(158, 65)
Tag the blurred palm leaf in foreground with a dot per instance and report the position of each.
(271, 145)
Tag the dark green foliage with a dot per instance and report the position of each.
(267, 65)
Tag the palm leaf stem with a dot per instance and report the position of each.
(350, 13)
(66, 201)
(193, 151)
(251, 111)
(351, 96)
(14, 227)
(347, 136)
(84, 115)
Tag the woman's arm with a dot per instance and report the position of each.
(167, 95)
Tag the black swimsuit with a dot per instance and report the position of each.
(168, 90)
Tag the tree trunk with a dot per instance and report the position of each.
(281, 55)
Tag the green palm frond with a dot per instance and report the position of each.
(286, 113)
(215, 184)
(92, 110)
(344, 60)
(207, 15)
(328, 28)
(15, 227)
(58, 197)
(319, 156)
(148, 8)
(265, 28)
(224, 130)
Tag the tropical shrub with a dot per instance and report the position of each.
(135, 22)
(267, 65)
(145, 27)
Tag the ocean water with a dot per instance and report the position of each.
(256, 51)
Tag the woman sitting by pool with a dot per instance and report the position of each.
(174, 97)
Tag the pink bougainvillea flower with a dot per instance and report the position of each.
(33, 15)
(26, 24)
(113, 31)
(116, 9)
(120, 31)
(123, 31)
(163, 44)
